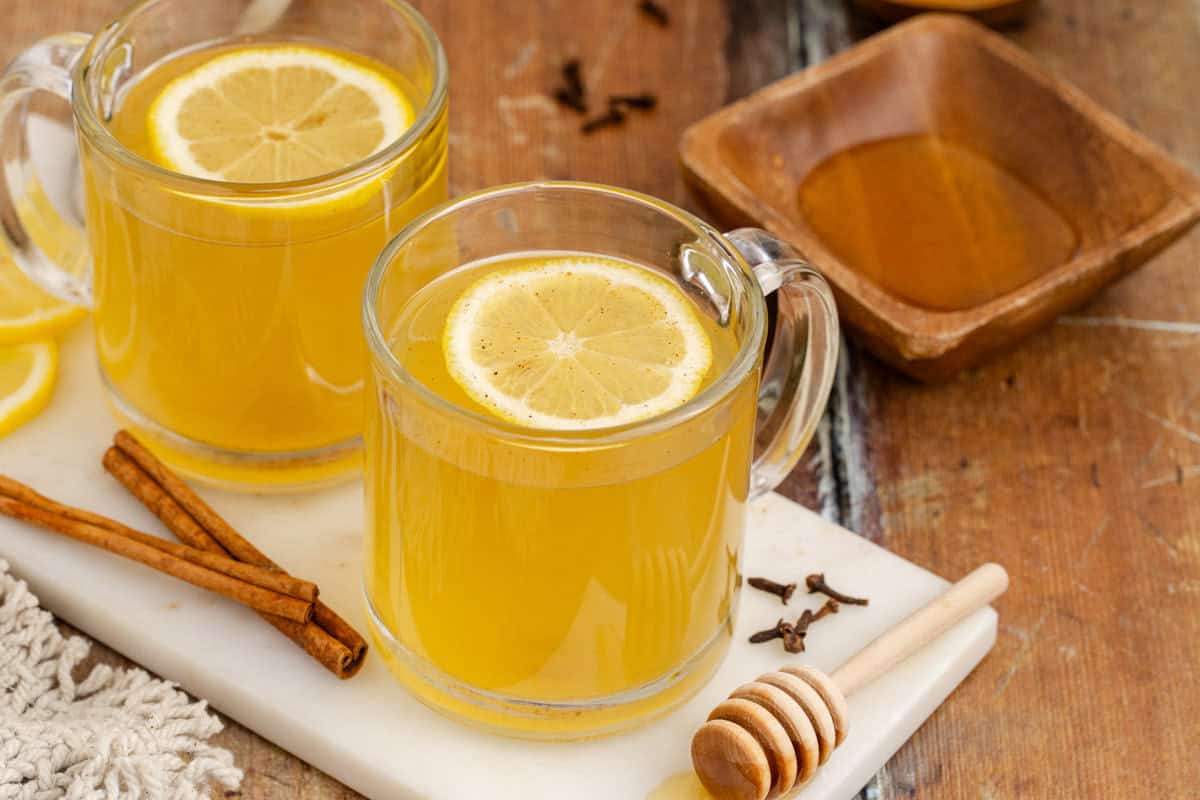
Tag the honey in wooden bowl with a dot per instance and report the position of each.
(933, 222)
(894, 164)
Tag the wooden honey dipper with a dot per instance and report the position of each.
(771, 734)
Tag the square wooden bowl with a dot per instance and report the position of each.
(945, 75)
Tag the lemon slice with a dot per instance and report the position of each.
(26, 382)
(28, 313)
(576, 343)
(272, 114)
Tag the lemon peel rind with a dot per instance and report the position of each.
(460, 322)
(38, 325)
(28, 313)
(34, 394)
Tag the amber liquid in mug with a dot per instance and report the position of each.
(237, 327)
(544, 574)
(932, 222)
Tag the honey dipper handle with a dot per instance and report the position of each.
(970, 594)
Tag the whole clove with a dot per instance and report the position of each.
(642, 102)
(574, 94)
(808, 617)
(616, 111)
(655, 12)
(781, 590)
(816, 583)
(793, 634)
(612, 118)
(572, 73)
(774, 632)
(793, 637)
(793, 640)
(564, 97)
(831, 606)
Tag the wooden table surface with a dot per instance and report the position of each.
(1074, 461)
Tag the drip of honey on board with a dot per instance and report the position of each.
(681, 786)
(932, 222)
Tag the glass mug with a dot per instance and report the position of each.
(558, 584)
(225, 314)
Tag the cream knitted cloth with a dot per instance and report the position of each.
(115, 735)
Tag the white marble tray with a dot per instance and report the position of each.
(368, 732)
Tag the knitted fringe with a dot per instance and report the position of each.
(115, 735)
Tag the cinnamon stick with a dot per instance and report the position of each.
(327, 638)
(269, 579)
(136, 548)
(193, 506)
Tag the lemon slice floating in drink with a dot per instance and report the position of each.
(26, 381)
(273, 114)
(576, 343)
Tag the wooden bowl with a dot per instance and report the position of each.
(947, 76)
(991, 12)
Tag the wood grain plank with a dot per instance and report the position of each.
(1055, 687)
(1073, 462)
(504, 60)
(271, 773)
(764, 44)
(844, 474)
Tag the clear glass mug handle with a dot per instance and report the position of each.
(45, 245)
(800, 367)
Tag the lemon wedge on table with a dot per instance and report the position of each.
(27, 312)
(576, 343)
(26, 381)
(271, 114)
